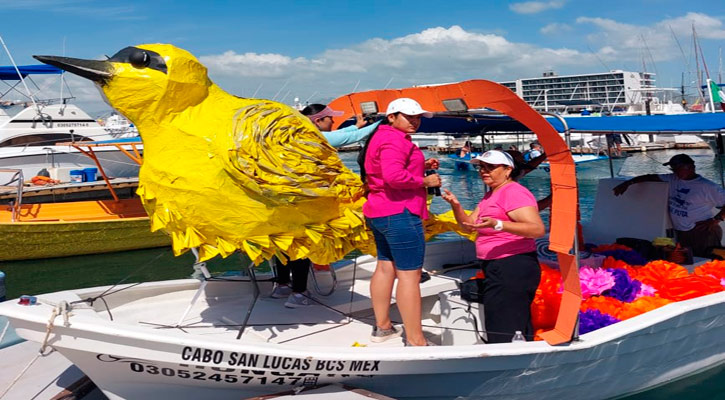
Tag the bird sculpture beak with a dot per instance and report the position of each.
(97, 71)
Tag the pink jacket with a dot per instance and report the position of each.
(395, 169)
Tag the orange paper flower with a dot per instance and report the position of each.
(657, 273)
(714, 268)
(690, 287)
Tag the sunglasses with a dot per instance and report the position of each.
(487, 167)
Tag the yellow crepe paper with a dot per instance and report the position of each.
(226, 173)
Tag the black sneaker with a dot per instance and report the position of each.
(427, 343)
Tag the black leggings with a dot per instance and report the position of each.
(300, 270)
(509, 290)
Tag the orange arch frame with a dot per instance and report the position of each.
(479, 94)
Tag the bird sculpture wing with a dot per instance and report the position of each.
(280, 158)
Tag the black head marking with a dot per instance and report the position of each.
(140, 58)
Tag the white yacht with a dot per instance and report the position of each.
(30, 130)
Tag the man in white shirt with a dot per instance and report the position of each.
(692, 199)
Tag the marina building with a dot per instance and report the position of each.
(614, 90)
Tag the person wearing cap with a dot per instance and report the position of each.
(396, 205)
(692, 199)
(322, 116)
(506, 222)
(291, 280)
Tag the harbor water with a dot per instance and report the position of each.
(41, 276)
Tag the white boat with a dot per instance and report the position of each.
(225, 338)
(30, 130)
(429, 140)
(139, 343)
(118, 126)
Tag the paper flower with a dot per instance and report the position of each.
(631, 257)
(592, 320)
(624, 289)
(690, 287)
(594, 281)
(715, 268)
(646, 290)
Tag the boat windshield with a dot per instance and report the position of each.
(49, 139)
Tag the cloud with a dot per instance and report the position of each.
(555, 28)
(707, 27)
(431, 56)
(627, 42)
(533, 7)
(449, 54)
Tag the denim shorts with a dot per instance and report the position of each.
(399, 238)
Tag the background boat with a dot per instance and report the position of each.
(31, 128)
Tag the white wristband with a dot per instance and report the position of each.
(498, 226)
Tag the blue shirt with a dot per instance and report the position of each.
(349, 134)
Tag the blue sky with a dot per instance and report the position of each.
(318, 50)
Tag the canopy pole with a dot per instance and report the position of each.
(609, 156)
(32, 98)
(719, 153)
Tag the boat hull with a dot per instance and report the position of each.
(32, 240)
(31, 160)
(128, 362)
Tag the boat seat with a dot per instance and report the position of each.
(641, 212)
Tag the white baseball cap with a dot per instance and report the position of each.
(494, 157)
(408, 107)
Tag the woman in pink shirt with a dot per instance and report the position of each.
(507, 221)
(396, 204)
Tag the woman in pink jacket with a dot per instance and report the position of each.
(395, 175)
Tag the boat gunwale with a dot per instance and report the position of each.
(82, 322)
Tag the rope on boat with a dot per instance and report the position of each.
(20, 375)
(63, 309)
(352, 290)
(5, 330)
(110, 291)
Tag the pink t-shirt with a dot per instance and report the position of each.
(395, 169)
(492, 244)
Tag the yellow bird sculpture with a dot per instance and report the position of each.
(224, 173)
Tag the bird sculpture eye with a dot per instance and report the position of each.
(139, 59)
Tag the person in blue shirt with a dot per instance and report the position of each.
(322, 116)
(295, 288)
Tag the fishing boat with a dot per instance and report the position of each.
(588, 165)
(74, 218)
(221, 337)
(31, 128)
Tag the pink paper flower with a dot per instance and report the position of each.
(594, 281)
(646, 291)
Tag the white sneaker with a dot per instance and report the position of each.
(280, 291)
(296, 300)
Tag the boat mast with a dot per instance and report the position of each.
(697, 66)
(32, 98)
(62, 75)
(719, 69)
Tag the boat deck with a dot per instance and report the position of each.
(338, 320)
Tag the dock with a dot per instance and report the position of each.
(50, 377)
(70, 191)
(656, 146)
